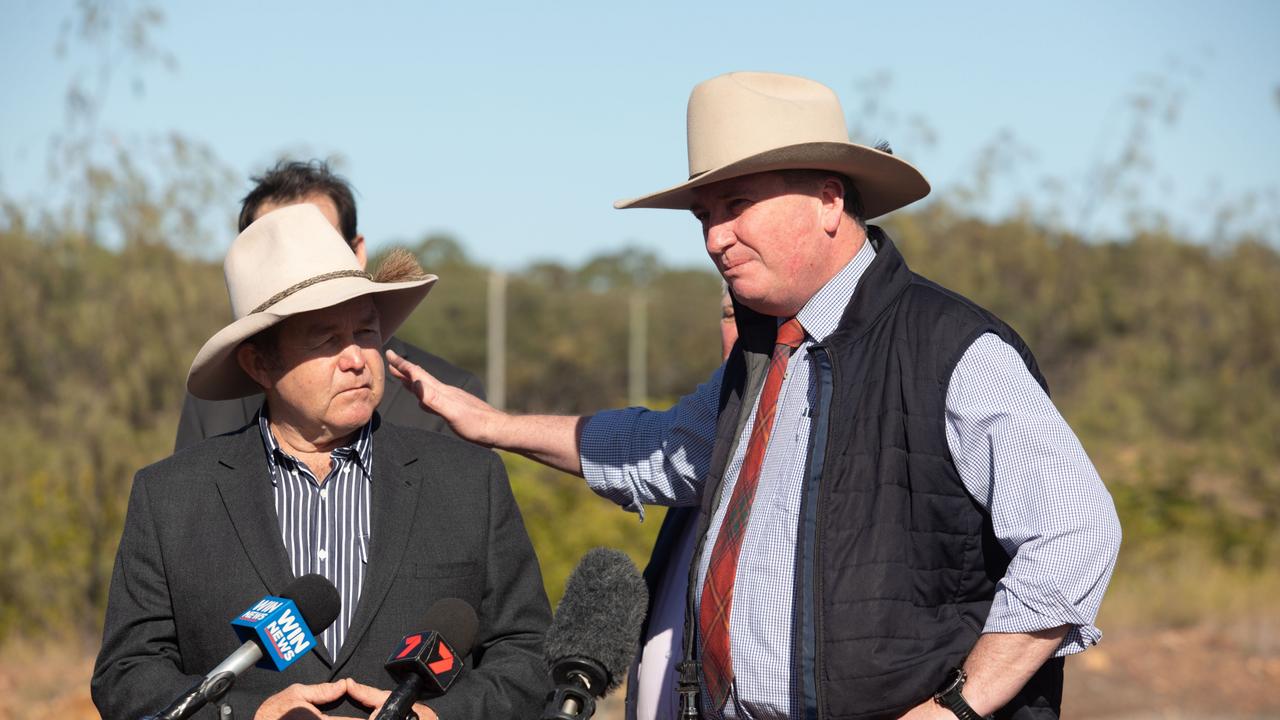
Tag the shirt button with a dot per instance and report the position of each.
(324, 494)
(323, 554)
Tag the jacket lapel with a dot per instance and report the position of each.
(397, 484)
(244, 483)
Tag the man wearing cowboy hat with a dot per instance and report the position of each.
(396, 518)
(287, 183)
(895, 520)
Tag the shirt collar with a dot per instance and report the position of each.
(822, 313)
(361, 448)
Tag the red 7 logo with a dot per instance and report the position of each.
(444, 663)
(410, 643)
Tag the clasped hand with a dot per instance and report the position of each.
(299, 702)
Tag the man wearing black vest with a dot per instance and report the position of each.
(895, 521)
(287, 183)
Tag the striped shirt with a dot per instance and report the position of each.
(1016, 455)
(325, 525)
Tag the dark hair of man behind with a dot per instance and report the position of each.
(294, 180)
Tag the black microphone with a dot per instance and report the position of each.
(595, 633)
(271, 629)
(427, 663)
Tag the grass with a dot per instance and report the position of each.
(1180, 585)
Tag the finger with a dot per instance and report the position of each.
(396, 365)
(322, 692)
(399, 368)
(395, 362)
(395, 372)
(400, 364)
(410, 369)
(406, 380)
(367, 696)
(409, 375)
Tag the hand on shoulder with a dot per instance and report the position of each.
(467, 415)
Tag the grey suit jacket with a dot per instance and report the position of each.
(205, 418)
(201, 543)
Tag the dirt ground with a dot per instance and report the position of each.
(1186, 673)
(1183, 674)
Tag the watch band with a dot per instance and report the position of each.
(950, 697)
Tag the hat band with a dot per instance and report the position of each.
(308, 283)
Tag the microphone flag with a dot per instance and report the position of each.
(428, 656)
(279, 628)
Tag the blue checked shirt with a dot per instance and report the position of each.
(325, 525)
(1015, 453)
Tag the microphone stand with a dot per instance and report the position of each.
(578, 681)
(213, 686)
(688, 689)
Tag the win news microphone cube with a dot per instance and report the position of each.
(276, 625)
(427, 656)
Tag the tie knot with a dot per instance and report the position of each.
(791, 334)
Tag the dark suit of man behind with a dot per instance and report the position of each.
(206, 418)
(202, 545)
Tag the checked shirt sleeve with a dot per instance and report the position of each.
(1049, 509)
(637, 457)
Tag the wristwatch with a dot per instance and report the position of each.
(950, 698)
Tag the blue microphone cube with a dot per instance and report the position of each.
(276, 625)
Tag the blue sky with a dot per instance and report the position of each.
(515, 125)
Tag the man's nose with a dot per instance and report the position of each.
(351, 358)
(719, 237)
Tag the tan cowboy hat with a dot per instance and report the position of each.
(290, 261)
(749, 122)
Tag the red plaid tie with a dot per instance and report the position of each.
(717, 592)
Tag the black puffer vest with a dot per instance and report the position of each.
(896, 566)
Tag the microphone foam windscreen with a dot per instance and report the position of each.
(317, 599)
(600, 615)
(456, 620)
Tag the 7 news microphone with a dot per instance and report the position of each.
(277, 632)
(595, 633)
(426, 663)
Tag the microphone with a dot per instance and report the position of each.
(595, 633)
(277, 632)
(427, 663)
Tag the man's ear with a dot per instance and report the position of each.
(832, 197)
(357, 247)
(252, 363)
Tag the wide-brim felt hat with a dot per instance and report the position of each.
(749, 122)
(290, 261)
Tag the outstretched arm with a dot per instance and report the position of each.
(633, 457)
(549, 439)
